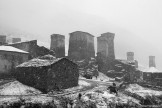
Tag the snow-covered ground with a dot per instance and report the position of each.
(101, 77)
(141, 91)
(81, 85)
(17, 88)
(103, 98)
(84, 83)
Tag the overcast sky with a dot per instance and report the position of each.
(137, 24)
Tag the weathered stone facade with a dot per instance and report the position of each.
(15, 40)
(105, 45)
(33, 49)
(47, 73)
(124, 69)
(3, 39)
(10, 59)
(81, 45)
(58, 45)
(105, 51)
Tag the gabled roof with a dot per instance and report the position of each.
(11, 49)
(21, 42)
(152, 70)
(125, 61)
(46, 60)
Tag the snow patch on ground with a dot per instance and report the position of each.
(101, 77)
(141, 91)
(84, 83)
(81, 85)
(17, 88)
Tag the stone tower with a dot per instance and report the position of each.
(58, 45)
(152, 61)
(105, 45)
(3, 39)
(130, 56)
(81, 45)
(15, 40)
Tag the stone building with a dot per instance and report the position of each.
(105, 45)
(124, 70)
(10, 57)
(33, 49)
(58, 45)
(152, 61)
(81, 45)
(47, 73)
(105, 51)
(130, 58)
(15, 40)
(3, 39)
(152, 74)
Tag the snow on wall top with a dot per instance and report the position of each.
(40, 61)
(11, 49)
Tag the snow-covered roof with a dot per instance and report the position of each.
(11, 49)
(40, 61)
(152, 70)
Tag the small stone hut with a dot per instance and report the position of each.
(47, 73)
(152, 75)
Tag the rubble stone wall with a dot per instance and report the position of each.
(62, 74)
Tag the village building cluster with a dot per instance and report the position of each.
(46, 69)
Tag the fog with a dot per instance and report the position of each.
(137, 24)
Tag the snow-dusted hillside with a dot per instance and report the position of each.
(17, 88)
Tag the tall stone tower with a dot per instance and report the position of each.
(152, 61)
(15, 40)
(81, 45)
(58, 45)
(130, 56)
(3, 39)
(105, 45)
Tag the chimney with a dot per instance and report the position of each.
(130, 56)
(3, 39)
(110, 42)
(58, 45)
(152, 61)
(15, 40)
